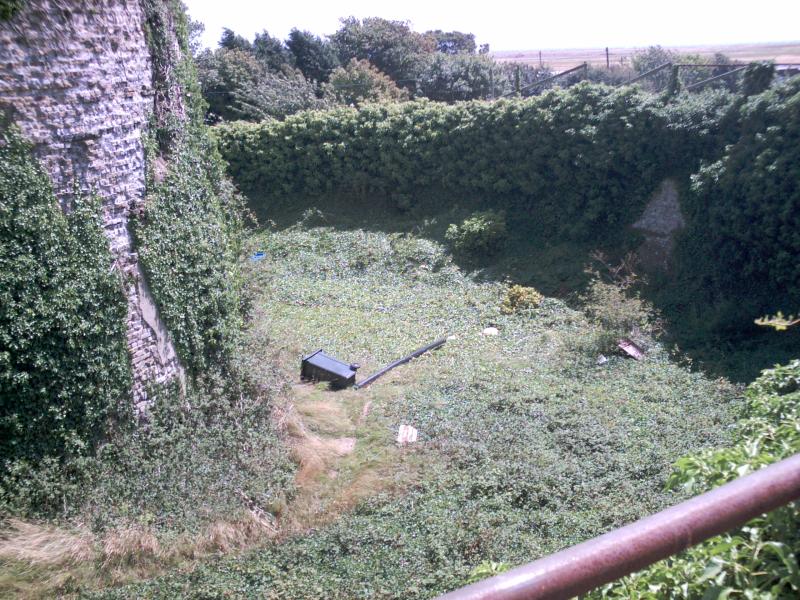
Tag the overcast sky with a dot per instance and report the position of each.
(524, 25)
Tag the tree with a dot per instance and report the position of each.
(196, 29)
(391, 46)
(315, 57)
(231, 41)
(236, 85)
(272, 52)
(453, 42)
(453, 77)
(647, 60)
(359, 82)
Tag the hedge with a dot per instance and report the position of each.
(574, 162)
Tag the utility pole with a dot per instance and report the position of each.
(608, 60)
(540, 59)
(516, 81)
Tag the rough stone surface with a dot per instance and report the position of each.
(76, 76)
(662, 217)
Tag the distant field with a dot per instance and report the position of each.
(562, 59)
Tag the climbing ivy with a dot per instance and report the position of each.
(64, 365)
(189, 234)
(8, 8)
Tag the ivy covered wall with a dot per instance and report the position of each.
(64, 363)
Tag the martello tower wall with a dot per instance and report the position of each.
(77, 78)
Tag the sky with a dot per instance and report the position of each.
(523, 25)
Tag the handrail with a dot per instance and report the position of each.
(608, 557)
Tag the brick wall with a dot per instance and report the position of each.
(76, 77)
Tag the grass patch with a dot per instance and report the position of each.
(526, 444)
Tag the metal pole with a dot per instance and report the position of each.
(549, 79)
(650, 72)
(586, 566)
(608, 59)
(699, 83)
(397, 363)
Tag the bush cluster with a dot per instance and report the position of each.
(519, 298)
(480, 234)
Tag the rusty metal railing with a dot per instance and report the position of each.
(608, 557)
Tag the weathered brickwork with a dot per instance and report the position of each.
(75, 75)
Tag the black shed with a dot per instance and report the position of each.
(318, 366)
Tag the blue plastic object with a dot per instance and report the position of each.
(258, 256)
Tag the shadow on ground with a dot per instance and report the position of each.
(557, 268)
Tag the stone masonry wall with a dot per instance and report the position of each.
(76, 77)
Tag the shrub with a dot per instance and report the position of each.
(613, 304)
(577, 163)
(758, 560)
(482, 233)
(359, 82)
(519, 297)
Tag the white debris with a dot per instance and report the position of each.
(406, 435)
(450, 338)
(602, 359)
(490, 331)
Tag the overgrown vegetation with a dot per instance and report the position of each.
(737, 258)
(578, 162)
(208, 469)
(574, 166)
(64, 370)
(759, 559)
(528, 445)
(189, 234)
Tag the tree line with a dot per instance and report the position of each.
(365, 60)
(375, 60)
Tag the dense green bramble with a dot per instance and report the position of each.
(575, 162)
(743, 240)
(64, 365)
(758, 560)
